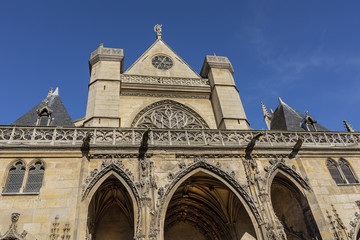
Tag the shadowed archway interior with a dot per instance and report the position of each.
(203, 208)
(293, 210)
(111, 212)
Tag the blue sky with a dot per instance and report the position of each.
(306, 52)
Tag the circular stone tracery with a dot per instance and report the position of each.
(162, 62)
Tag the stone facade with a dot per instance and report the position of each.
(201, 173)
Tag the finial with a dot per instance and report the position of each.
(280, 101)
(348, 127)
(50, 92)
(267, 116)
(158, 31)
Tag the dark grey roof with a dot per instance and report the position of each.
(287, 118)
(59, 115)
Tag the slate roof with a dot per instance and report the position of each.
(287, 118)
(59, 115)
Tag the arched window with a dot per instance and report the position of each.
(334, 171)
(15, 178)
(44, 116)
(35, 177)
(347, 171)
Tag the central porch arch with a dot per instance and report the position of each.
(237, 210)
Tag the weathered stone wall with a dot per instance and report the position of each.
(62, 192)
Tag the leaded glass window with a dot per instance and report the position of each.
(334, 172)
(15, 178)
(348, 173)
(162, 62)
(35, 177)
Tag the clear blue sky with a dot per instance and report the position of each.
(306, 52)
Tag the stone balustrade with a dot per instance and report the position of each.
(10, 135)
(197, 82)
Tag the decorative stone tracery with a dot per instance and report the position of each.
(12, 233)
(170, 115)
(280, 164)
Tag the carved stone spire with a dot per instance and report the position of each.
(348, 127)
(158, 31)
(267, 115)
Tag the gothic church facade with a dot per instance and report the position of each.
(167, 153)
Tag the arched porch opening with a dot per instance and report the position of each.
(292, 209)
(110, 212)
(204, 208)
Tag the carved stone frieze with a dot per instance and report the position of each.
(206, 96)
(12, 233)
(118, 155)
(215, 155)
(198, 82)
(229, 155)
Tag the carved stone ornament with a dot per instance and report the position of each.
(200, 162)
(280, 164)
(170, 115)
(12, 233)
(108, 165)
(355, 223)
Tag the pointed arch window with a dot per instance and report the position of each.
(341, 171)
(15, 178)
(35, 177)
(347, 171)
(334, 171)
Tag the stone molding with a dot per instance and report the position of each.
(215, 62)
